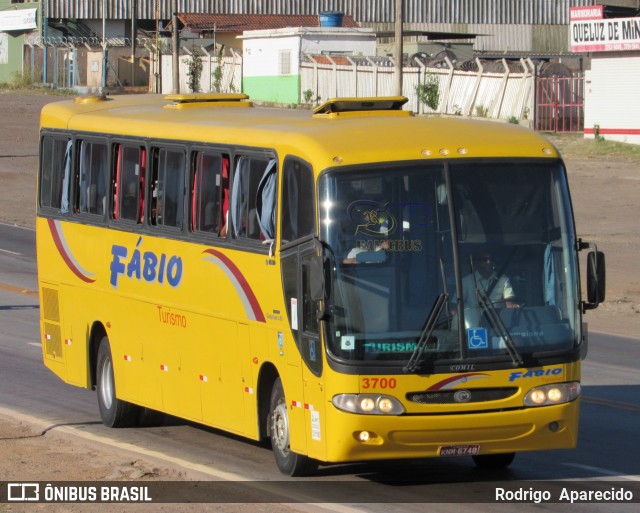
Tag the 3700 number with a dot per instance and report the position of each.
(379, 383)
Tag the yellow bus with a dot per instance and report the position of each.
(355, 283)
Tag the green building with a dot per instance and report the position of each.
(19, 21)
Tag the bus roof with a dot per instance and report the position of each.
(327, 138)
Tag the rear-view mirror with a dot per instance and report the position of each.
(596, 278)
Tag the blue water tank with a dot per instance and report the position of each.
(331, 18)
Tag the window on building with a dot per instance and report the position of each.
(284, 62)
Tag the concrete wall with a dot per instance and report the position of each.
(611, 97)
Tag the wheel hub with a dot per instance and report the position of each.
(106, 389)
(281, 428)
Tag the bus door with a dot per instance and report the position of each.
(308, 400)
(299, 248)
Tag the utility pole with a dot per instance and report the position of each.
(45, 36)
(176, 48)
(397, 49)
(134, 34)
(104, 45)
(157, 67)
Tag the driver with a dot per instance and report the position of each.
(484, 277)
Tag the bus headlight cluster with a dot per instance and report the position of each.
(370, 404)
(557, 393)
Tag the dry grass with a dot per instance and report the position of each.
(575, 146)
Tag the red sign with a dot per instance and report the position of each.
(592, 12)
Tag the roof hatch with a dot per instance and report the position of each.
(375, 105)
(181, 101)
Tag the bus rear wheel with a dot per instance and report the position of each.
(288, 462)
(494, 461)
(113, 411)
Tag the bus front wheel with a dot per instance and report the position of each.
(288, 462)
(113, 411)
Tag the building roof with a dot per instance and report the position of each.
(238, 23)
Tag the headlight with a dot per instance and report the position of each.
(370, 404)
(557, 393)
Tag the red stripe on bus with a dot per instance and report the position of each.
(246, 288)
(460, 377)
(63, 252)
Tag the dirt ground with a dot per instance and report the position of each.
(604, 192)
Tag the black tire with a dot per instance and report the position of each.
(288, 462)
(150, 418)
(494, 461)
(113, 411)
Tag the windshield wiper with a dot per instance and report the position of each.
(485, 302)
(414, 361)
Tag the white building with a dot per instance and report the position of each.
(271, 58)
(611, 98)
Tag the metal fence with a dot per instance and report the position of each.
(554, 104)
(68, 63)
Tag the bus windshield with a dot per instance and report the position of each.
(437, 263)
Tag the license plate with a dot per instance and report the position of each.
(459, 450)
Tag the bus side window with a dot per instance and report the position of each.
(167, 186)
(91, 178)
(54, 174)
(208, 192)
(298, 205)
(129, 182)
(253, 175)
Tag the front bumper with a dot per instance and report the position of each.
(422, 436)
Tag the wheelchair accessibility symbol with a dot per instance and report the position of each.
(477, 338)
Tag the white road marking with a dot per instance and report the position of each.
(204, 469)
(10, 252)
(604, 471)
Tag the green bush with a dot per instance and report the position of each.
(428, 92)
(194, 70)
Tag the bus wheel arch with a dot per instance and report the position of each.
(266, 379)
(98, 332)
